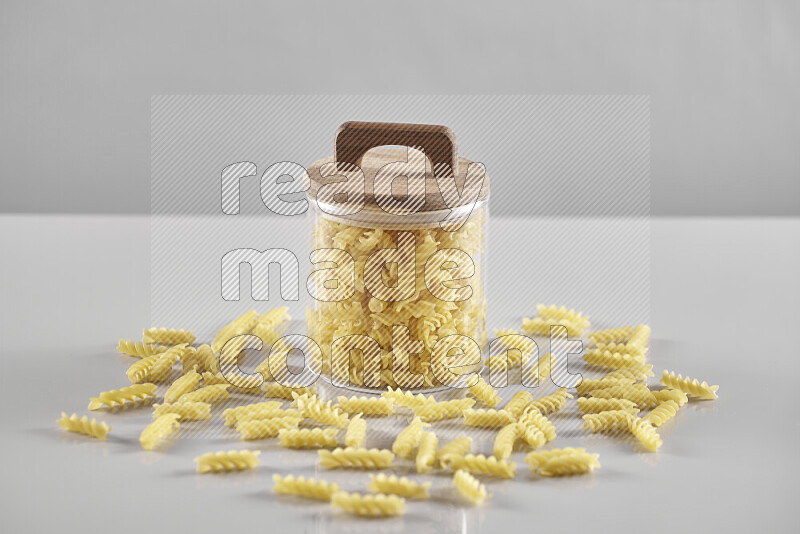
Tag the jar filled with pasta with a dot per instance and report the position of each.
(397, 280)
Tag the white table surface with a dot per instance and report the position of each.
(724, 297)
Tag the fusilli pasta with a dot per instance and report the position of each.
(356, 434)
(356, 458)
(124, 397)
(469, 486)
(309, 488)
(408, 437)
(691, 387)
(188, 411)
(159, 429)
(377, 505)
(184, 384)
(164, 336)
(480, 464)
(393, 485)
(307, 438)
(426, 453)
(221, 462)
(84, 426)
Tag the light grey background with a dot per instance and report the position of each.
(77, 78)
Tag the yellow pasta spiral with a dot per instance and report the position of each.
(309, 488)
(458, 447)
(393, 485)
(184, 384)
(588, 385)
(312, 407)
(662, 413)
(569, 465)
(550, 403)
(533, 417)
(487, 418)
(639, 337)
(123, 397)
(531, 434)
(622, 348)
(159, 429)
(406, 398)
(485, 393)
(279, 391)
(561, 312)
(638, 393)
(645, 433)
(212, 394)
(188, 411)
(408, 437)
(138, 349)
(504, 441)
(351, 457)
(612, 360)
(156, 367)
(637, 372)
(595, 405)
(259, 410)
(469, 486)
(480, 464)
(689, 386)
(439, 411)
(356, 433)
(166, 336)
(426, 453)
(518, 403)
(675, 395)
(375, 406)
(537, 459)
(606, 421)
(266, 428)
(307, 438)
(241, 325)
(84, 426)
(221, 462)
(378, 505)
(611, 335)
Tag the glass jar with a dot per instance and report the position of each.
(398, 258)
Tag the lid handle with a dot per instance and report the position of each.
(354, 139)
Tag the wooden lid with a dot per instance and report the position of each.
(354, 147)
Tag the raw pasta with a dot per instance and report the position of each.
(545, 327)
(599, 383)
(538, 459)
(184, 384)
(368, 406)
(212, 394)
(487, 418)
(532, 416)
(84, 426)
(458, 447)
(518, 403)
(124, 397)
(504, 441)
(266, 428)
(406, 398)
(356, 434)
(438, 411)
(480, 464)
(611, 335)
(222, 462)
(606, 421)
(640, 336)
(309, 488)
(159, 429)
(279, 391)
(165, 336)
(676, 395)
(691, 387)
(469, 486)
(378, 505)
(595, 405)
(305, 438)
(556, 312)
(637, 372)
(408, 437)
(645, 433)
(393, 485)
(550, 403)
(351, 457)
(188, 411)
(239, 326)
(611, 360)
(426, 453)
(662, 413)
(638, 393)
(312, 407)
(569, 464)
(260, 410)
(484, 392)
(138, 349)
(531, 434)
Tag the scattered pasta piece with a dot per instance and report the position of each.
(485, 393)
(426, 453)
(662, 413)
(518, 403)
(691, 387)
(439, 411)
(279, 391)
(458, 447)
(612, 360)
(469, 486)
(164, 336)
(537, 459)
(141, 370)
(259, 410)
(266, 428)
(675, 395)
(356, 434)
(403, 487)
(159, 429)
(211, 394)
(266, 326)
(305, 438)
(607, 421)
(554, 312)
(351, 457)
(138, 349)
(188, 411)
(504, 441)
(84, 426)
(569, 465)
(611, 335)
(645, 433)
(596, 405)
(640, 337)
(637, 372)
(531, 434)
(368, 406)
(123, 397)
(546, 327)
(550, 403)
(487, 418)
(588, 385)
(622, 348)
(533, 417)
(480, 464)
(407, 438)
(309, 488)
(239, 326)
(638, 393)
(378, 505)
(406, 398)
(312, 407)
(184, 384)
(223, 462)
